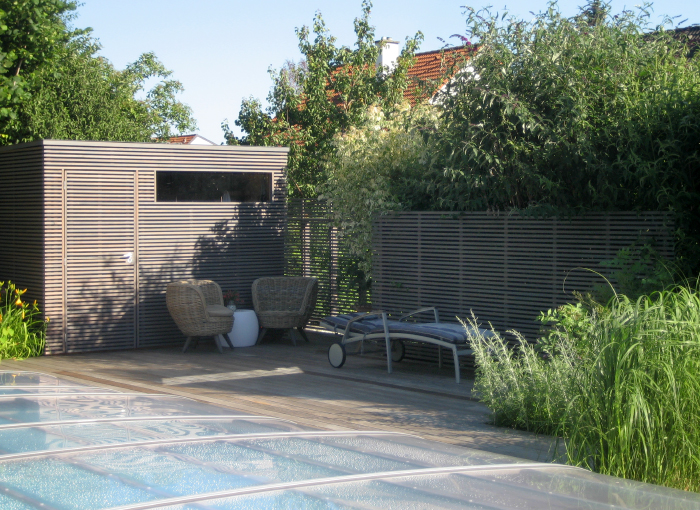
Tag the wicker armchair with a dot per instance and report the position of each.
(284, 303)
(197, 307)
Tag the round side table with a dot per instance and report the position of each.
(245, 328)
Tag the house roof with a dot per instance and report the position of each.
(692, 33)
(432, 70)
(190, 140)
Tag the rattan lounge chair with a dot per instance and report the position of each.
(197, 307)
(358, 327)
(284, 302)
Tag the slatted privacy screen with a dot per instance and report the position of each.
(312, 249)
(95, 246)
(504, 268)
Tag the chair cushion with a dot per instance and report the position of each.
(364, 326)
(451, 333)
(219, 311)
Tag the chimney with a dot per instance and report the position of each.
(388, 54)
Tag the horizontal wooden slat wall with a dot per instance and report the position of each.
(504, 268)
(228, 242)
(100, 284)
(21, 220)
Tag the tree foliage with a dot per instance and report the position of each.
(54, 85)
(326, 94)
(29, 32)
(373, 160)
(567, 115)
(556, 116)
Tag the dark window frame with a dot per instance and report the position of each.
(211, 186)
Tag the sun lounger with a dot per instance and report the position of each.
(358, 327)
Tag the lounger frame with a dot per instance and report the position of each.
(350, 337)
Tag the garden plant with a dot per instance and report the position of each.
(556, 116)
(619, 383)
(54, 83)
(22, 330)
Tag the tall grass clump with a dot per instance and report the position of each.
(22, 331)
(620, 384)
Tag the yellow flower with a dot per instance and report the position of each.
(48, 320)
(23, 314)
(35, 302)
(0, 317)
(18, 302)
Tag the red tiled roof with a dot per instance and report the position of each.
(690, 35)
(434, 69)
(430, 71)
(181, 140)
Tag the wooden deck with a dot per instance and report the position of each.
(297, 383)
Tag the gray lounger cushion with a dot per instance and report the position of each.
(451, 333)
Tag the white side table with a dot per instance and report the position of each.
(245, 328)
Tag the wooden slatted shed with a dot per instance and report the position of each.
(95, 230)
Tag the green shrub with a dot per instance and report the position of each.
(22, 332)
(562, 116)
(638, 270)
(381, 150)
(620, 385)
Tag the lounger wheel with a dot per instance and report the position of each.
(398, 350)
(336, 355)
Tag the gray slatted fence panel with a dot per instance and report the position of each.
(504, 268)
(312, 249)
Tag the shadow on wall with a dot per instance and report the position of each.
(100, 305)
(102, 312)
(156, 327)
(242, 249)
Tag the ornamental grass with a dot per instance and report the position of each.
(620, 386)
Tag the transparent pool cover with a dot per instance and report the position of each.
(70, 446)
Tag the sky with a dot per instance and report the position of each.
(221, 49)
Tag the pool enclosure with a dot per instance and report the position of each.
(66, 446)
(95, 231)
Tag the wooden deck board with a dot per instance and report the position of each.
(298, 384)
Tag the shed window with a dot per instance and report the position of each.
(213, 186)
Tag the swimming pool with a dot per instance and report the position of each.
(71, 446)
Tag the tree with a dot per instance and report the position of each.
(55, 85)
(30, 30)
(374, 164)
(327, 93)
(566, 115)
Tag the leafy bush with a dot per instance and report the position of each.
(22, 332)
(622, 386)
(558, 116)
(369, 160)
(638, 270)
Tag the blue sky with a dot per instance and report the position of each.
(221, 49)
